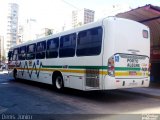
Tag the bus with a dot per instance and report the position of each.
(112, 53)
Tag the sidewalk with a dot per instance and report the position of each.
(152, 91)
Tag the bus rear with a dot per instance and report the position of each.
(126, 53)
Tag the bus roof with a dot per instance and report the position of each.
(86, 26)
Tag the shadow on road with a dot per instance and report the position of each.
(101, 96)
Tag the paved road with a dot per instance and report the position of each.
(19, 97)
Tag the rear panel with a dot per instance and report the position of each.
(127, 50)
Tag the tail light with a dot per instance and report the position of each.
(111, 68)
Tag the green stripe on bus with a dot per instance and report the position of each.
(94, 67)
(88, 67)
(46, 66)
(127, 69)
(77, 67)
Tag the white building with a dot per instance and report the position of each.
(80, 17)
(45, 32)
(12, 26)
(20, 34)
(30, 30)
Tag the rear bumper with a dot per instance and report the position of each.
(118, 83)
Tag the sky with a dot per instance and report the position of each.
(57, 13)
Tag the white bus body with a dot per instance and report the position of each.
(122, 62)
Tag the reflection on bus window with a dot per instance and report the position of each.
(31, 51)
(89, 42)
(52, 48)
(67, 45)
(22, 53)
(15, 54)
(40, 52)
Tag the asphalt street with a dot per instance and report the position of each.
(26, 97)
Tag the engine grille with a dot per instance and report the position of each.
(92, 77)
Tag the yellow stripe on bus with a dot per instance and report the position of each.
(117, 73)
(127, 74)
(62, 70)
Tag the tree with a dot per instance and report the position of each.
(49, 32)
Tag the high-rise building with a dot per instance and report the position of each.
(20, 34)
(12, 25)
(80, 17)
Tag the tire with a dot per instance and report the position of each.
(58, 83)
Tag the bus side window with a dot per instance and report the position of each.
(41, 50)
(22, 53)
(67, 45)
(52, 48)
(15, 54)
(89, 42)
(31, 51)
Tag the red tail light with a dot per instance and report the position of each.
(111, 68)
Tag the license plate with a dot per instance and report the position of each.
(133, 84)
(133, 73)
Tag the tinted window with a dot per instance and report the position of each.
(52, 48)
(10, 54)
(40, 51)
(31, 51)
(89, 42)
(15, 54)
(67, 45)
(22, 53)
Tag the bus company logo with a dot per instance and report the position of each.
(117, 58)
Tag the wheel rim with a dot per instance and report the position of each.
(59, 82)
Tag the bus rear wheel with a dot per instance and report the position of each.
(58, 83)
